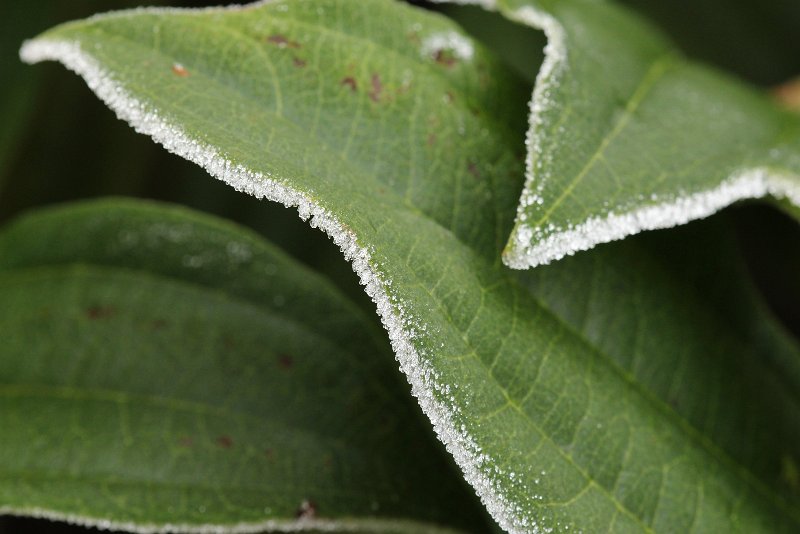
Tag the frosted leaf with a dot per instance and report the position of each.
(431, 270)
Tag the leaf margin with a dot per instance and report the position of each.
(367, 526)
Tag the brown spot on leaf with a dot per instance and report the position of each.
(473, 169)
(185, 442)
(788, 94)
(179, 70)
(377, 88)
(299, 63)
(285, 361)
(350, 82)
(269, 454)
(100, 312)
(445, 57)
(307, 510)
(404, 88)
(448, 97)
(158, 324)
(226, 442)
(282, 42)
(431, 139)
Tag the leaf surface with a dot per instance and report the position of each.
(399, 136)
(168, 371)
(627, 135)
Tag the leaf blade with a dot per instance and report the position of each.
(182, 398)
(659, 142)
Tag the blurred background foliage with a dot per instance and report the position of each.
(59, 143)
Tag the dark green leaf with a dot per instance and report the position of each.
(169, 369)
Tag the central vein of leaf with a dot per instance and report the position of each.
(659, 67)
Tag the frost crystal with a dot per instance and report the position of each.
(530, 248)
(454, 42)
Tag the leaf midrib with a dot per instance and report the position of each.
(69, 268)
(123, 398)
(217, 488)
(657, 69)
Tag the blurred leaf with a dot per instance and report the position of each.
(170, 369)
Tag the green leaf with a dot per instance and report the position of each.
(627, 135)
(399, 136)
(170, 369)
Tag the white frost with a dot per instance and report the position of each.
(399, 324)
(490, 5)
(754, 183)
(547, 80)
(457, 44)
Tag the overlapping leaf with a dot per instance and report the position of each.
(399, 136)
(168, 371)
(628, 135)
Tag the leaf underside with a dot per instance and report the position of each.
(399, 136)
